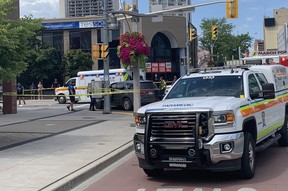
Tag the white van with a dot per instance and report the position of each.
(82, 80)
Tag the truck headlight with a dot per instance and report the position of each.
(221, 119)
(140, 121)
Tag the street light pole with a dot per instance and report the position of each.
(107, 104)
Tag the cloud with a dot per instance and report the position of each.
(40, 8)
(250, 18)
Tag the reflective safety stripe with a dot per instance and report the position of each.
(126, 75)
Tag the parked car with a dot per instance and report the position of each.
(149, 93)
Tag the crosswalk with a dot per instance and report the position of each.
(195, 189)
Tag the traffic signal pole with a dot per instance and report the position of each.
(107, 103)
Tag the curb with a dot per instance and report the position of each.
(84, 173)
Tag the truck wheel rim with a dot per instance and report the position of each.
(251, 156)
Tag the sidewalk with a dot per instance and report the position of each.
(65, 160)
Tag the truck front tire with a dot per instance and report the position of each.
(283, 141)
(248, 158)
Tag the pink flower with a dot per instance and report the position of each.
(132, 45)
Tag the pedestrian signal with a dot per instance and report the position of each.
(214, 30)
(95, 51)
(104, 51)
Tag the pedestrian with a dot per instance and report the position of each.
(33, 90)
(1, 91)
(162, 86)
(174, 80)
(20, 93)
(55, 84)
(40, 90)
(91, 92)
(72, 92)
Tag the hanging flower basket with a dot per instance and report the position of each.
(133, 49)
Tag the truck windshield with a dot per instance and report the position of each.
(207, 86)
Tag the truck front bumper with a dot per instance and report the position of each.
(222, 153)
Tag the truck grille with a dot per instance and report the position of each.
(171, 135)
(176, 126)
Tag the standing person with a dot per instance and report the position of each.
(40, 90)
(33, 90)
(91, 92)
(174, 80)
(162, 86)
(55, 84)
(1, 91)
(72, 92)
(20, 93)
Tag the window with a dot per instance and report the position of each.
(261, 79)
(253, 84)
(208, 86)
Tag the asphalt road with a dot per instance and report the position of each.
(271, 174)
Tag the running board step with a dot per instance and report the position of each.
(268, 143)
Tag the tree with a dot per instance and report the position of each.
(75, 61)
(41, 63)
(14, 41)
(227, 43)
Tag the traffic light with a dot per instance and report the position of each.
(191, 34)
(214, 30)
(232, 9)
(99, 51)
(127, 7)
(104, 51)
(96, 51)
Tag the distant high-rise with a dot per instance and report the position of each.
(82, 8)
(167, 4)
(15, 12)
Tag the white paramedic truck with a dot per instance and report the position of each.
(81, 84)
(214, 119)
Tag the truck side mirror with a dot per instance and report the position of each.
(268, 91)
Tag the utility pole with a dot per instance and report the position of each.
(107, 104)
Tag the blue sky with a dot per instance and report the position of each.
(251, 12)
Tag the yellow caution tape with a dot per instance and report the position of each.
(102, 92)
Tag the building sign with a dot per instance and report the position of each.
(72, 25)
(168, 67)
(267, 53)
(162, 67)
(154, 67)
(61, 25)
(90, 24)
(148, 67)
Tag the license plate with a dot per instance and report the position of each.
(179, 165)
(177, 159)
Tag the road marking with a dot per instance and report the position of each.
(195, 189)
